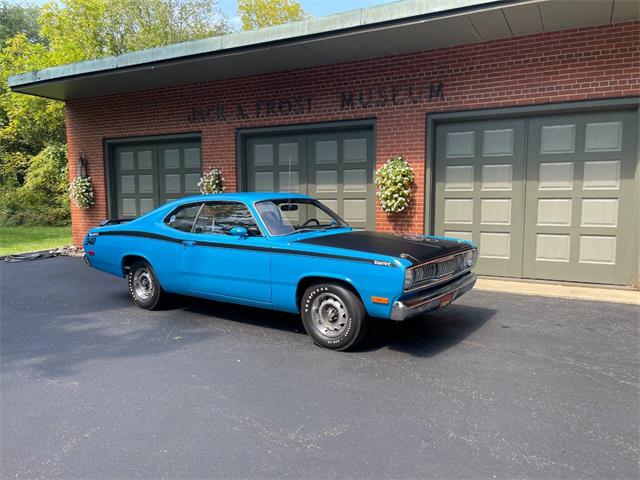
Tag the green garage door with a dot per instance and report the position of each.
(546, 197)
(579, 216)
(480, 190)
(334, 167)
(149, 175)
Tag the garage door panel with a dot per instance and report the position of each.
(149, 175)
(479, 190)
(559, 210)
(573, 229)
(495, 245)
(132, 192)
(497, 177)
(459, 178)
(495, 211)
(498, 142)
(341, 171)
(179, 170)
(276, 164)
(336, 167)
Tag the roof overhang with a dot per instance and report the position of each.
(395, 28)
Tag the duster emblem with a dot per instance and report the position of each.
(382, 263)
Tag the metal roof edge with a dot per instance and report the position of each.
(355, 19)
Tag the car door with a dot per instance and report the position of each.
(217, 264)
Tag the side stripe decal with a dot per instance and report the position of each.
(156, 236)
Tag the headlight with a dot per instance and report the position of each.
(408, 278)
(470, 257)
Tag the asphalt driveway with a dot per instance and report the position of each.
(495, 386)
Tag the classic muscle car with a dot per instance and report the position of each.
(285, 252)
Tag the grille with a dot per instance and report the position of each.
(449, 266)
(432, 272)
(424, 272)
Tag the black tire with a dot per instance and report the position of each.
(144, 287)
(333, 316)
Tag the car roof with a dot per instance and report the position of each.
(248, 197)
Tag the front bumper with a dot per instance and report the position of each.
(430, 300)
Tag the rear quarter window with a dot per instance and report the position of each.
(183, 218)
(221, 217)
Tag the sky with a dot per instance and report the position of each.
(317, 8)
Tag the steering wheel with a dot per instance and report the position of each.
(309, 221)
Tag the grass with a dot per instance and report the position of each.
(30, 239)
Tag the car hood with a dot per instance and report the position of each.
(414, 248)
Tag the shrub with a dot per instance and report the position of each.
(34, 189)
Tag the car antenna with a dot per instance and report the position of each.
(289, 179)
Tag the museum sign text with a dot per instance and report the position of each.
(375, 97)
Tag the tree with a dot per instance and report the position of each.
(16, 19)
(88, 29)
(266, 13)
(31, 128)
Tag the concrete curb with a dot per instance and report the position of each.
(575, 292)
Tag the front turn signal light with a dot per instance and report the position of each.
(382, 300)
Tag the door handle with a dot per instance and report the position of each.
(188, 243)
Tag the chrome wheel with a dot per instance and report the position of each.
(143, 284)
(329, 315)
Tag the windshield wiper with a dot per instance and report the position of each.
(301, 230)
(335, 225)
(315, 229)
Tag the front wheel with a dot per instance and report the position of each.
(144, 286)
(333, 316)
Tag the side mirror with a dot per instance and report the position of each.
(239, 232)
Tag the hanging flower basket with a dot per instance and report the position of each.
(211, 182)
(394, 182)
(81, 192)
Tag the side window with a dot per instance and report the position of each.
(183, 219)
(221, 217)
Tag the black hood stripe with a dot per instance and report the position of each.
(414, 248)
(156, 236)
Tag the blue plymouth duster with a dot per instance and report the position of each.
(285, 252)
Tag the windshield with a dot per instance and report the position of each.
(286, 216)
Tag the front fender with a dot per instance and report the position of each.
(367, 280)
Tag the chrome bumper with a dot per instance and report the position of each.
(423, 302)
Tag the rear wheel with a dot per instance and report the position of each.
(333, 316)
(144, 286)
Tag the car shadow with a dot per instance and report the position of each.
(229, 312)
(87, 318)
(430, 334)
(423, 336)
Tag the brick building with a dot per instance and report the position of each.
(519, 118)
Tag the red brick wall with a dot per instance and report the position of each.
(576, 64)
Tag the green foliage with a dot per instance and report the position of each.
(41, 197)
(29, 122)
(33, 174)
(394, 181)
(16, 19)
(87, 29)
(266, 13)
(32, 131)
